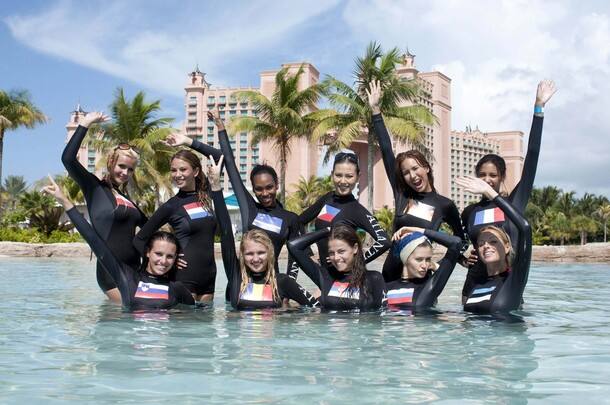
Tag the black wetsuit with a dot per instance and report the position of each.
(421, 293)
(335, 294)
(331, 209)
(485, 213)
(257, 293)
(423, 210)
(278, 223)
(504, 292)
(113, 215)
(139, 289)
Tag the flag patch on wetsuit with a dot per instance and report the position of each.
(400, 296)
(421, 210)
(196, 210)
(120, 200)
(489, 216)
(328, 213)
(268, 222)
(481, 294)
(340, 290)
(152, 291)
(257, 292)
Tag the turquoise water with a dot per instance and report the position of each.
(60, 341)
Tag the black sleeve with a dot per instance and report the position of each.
(435, 285)
(159, 218)
(452, 217)
(102, 252)
(182, 294)
(206, 150)
(229, 255)
(382, 241)
(298, 248)
(86, 180)
(312, 212)
(247, 205)
(521, 193)
(289, 288)
(385, 144)
(379, 290)
(295, 230)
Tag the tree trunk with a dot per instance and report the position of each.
(1, 147)
(605, 228)
(283, 154)
(369, 169)
(583, 238)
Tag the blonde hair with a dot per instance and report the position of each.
(111, 161)
(504, 238)
(258, 236)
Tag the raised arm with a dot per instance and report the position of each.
(312, 212)
(176, 139)
(521, 193)
(158, 219)
(298, 248)
(453, 219)
(373, 228)
(85, 179)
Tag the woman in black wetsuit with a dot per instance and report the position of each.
(113, 215)
(253, 282)
(191, 215)
(345, 283)
(144, 287)
(267, 214)
(340, 205)
(506, 264)
(422, 280)
(416, 202)
(492, 169)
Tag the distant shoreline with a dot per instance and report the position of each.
(590, 253)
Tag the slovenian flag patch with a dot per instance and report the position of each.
(400, 296)
(120, 200)
(489, 216)
(196, 210)
(268, 222)
(481, 294)
(328, 213)
(257, 292)
(340, 290)
(421, 210)
(152, 291)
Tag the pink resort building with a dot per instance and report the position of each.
(455, 153)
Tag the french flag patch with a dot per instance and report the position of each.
(268, 222)
(195, 210)
(122, 201)
(152, 291)
(328, 213)
(489, 216)
(400, 296)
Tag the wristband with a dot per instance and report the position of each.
(538, 109)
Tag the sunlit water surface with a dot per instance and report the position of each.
(61, 341)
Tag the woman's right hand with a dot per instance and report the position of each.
(374, 96)
(93, 117)
(404, 231)
(475, 185)
(56, 191)
(215, 115)
(214, 170)
(176, 139)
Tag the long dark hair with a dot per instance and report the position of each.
(202, 185)
(421, 160)
(163, 236)
(348, 235)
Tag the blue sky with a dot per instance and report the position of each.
(495, 52)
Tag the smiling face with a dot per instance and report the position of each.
(183, 174)
(161, 257)
(255, 256)
(419, 262)
(123, 169)
(415, 175)
(491, 249)
(345, 177)
(341, 254)
(488, 172)
(265, 189)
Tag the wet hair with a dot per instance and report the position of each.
(111, 162)
(347, 157)
(258, 236)
(202, 185)
(348, 235)
(162, 236)
(504, 238)
(421, 160)
(263, 169)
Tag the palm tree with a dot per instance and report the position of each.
(352, 116)
(43, 212)
(279, 119)
(70, 188)
(558, 226)
(307, 192)
(17, 110)
(545, 197)
(583, 225)
(385, 217)
(603, 213)
(134, 122)
(12, 188)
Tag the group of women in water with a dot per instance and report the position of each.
(153, 269)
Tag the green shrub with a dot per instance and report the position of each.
(11, 234)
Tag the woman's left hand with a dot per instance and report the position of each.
(404, 231)
(214, 170)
